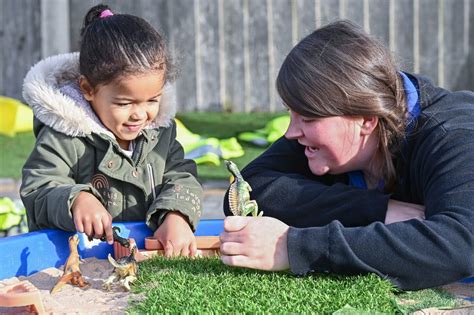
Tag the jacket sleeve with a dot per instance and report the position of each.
(412, 254)
(48, 188)
(285, 188)
(180, 191)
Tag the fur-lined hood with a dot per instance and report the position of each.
(50, 90)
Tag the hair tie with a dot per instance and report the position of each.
(105, 13)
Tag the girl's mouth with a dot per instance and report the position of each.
(133, 128)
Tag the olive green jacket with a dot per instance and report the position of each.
(74, 152)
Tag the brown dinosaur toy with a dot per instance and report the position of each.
(72, 273)
(125, 270)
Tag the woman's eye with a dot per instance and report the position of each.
(122, 104)
(307, 120)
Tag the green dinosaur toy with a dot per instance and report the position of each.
(239, 194)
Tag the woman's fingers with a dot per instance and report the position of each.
(232, 248)
(238, 261)
(234, 224)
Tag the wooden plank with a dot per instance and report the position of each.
(77, 11)
(124, 7)
(329, 10)
(22, 25)
(428, 39)
(379, 20)
(466, 81)
(53, 23)
(305, 18)
(234, 100)
(404, 29)
(208, 56)
(257, 88)
(454, 57)
(354, 11)
(183, 48)
(156, 13)
(282, 43)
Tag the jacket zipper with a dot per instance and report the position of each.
(149, 169)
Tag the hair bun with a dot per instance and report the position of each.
(93, 15)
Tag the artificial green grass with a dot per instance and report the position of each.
(205, 285)
(415, 300)
(13, 153)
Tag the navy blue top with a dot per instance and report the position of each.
(336, 227)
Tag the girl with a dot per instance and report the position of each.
(366, 145)
(106, 148)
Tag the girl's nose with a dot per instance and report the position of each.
(139, 113)
(293, 131)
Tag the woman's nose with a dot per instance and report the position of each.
(293, 131)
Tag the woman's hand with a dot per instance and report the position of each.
(91, 217)
(258, 243)
(176, 236)
(402, 211)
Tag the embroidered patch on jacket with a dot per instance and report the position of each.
(101, 184)
(184, 194)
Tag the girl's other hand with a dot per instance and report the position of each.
(398, 211)
(90, 217)
(176, 236)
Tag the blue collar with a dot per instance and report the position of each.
(413, 103)
(356, 178)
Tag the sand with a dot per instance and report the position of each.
(74, 300)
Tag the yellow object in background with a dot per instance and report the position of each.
(14, 116)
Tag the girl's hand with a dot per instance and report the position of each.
(398, 211)
(176, 236)
(90, 217)
(258, 243)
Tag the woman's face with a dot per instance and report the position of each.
(334, 145)
(128, 105)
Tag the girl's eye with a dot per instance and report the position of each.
(122, 104)
(153, 102)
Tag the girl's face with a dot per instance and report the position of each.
(127, 105)
(335, 145)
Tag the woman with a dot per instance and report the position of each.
(375, 172)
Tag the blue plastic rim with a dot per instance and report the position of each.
(25, 254)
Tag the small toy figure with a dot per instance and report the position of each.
(72, 273)
(117, 238)
(239, 194)
(125, 270)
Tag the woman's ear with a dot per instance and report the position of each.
(369, 124)
(86, 89)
